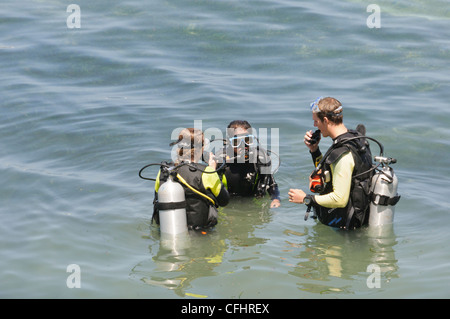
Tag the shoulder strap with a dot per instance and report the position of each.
(183, 181)
(350, 141)
(194, 168)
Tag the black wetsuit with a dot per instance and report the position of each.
(251, 178)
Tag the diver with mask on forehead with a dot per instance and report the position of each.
(340, 201)
(247, 171)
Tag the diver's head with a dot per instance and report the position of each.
(190, 145)
(239, 124)
(240, 137)
(325, 112)
(328, 107)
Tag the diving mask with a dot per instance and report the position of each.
(315, 105)
(237, 140)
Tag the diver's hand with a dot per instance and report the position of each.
(296, 196)
(212, 161)
(275, 203)
(307, 138)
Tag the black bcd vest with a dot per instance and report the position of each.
(246, 179)
(201, 213)
(355, 214)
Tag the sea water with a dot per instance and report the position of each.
(93, 92)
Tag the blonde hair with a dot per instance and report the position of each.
(190, 145)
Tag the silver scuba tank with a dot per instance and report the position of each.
(172, 208)
(384, 197)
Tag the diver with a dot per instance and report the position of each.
(341, 175)
(204, 191)
(247, 171)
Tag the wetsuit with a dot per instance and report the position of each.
(251, 178)
(344, 201)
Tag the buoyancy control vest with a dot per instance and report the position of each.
(355, 213)
(252, 177)
(201, 206)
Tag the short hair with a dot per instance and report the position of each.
(328, 107)
(238, 124)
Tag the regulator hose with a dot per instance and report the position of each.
(175, 168)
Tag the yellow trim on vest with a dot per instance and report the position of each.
(211, 181)
(182, 180)
(318, 159)
(224, 181)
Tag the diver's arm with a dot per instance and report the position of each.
(273, 190)
(316, 156)
(274, 194)
(224, 197)
(272, 186)
(313, 148)
(212, 182)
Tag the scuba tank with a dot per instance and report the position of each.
(170, 200)
(172, 208)
(383, 194)
(170, 204)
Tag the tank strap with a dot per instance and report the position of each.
(183, 181)
(170, 206)
(384, 200)
(349, 216)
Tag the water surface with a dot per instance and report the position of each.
(84, 109)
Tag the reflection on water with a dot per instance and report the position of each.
(327, 255)
(175, 267)
(179, 261)
(381, 240)
(183, 259)
(322, 260)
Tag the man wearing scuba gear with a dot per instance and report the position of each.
(204, 191)
(247, 170)
(341, 201)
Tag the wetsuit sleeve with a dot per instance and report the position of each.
(212, 182)
(316, 157)
(341, 171)
(273, 190)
